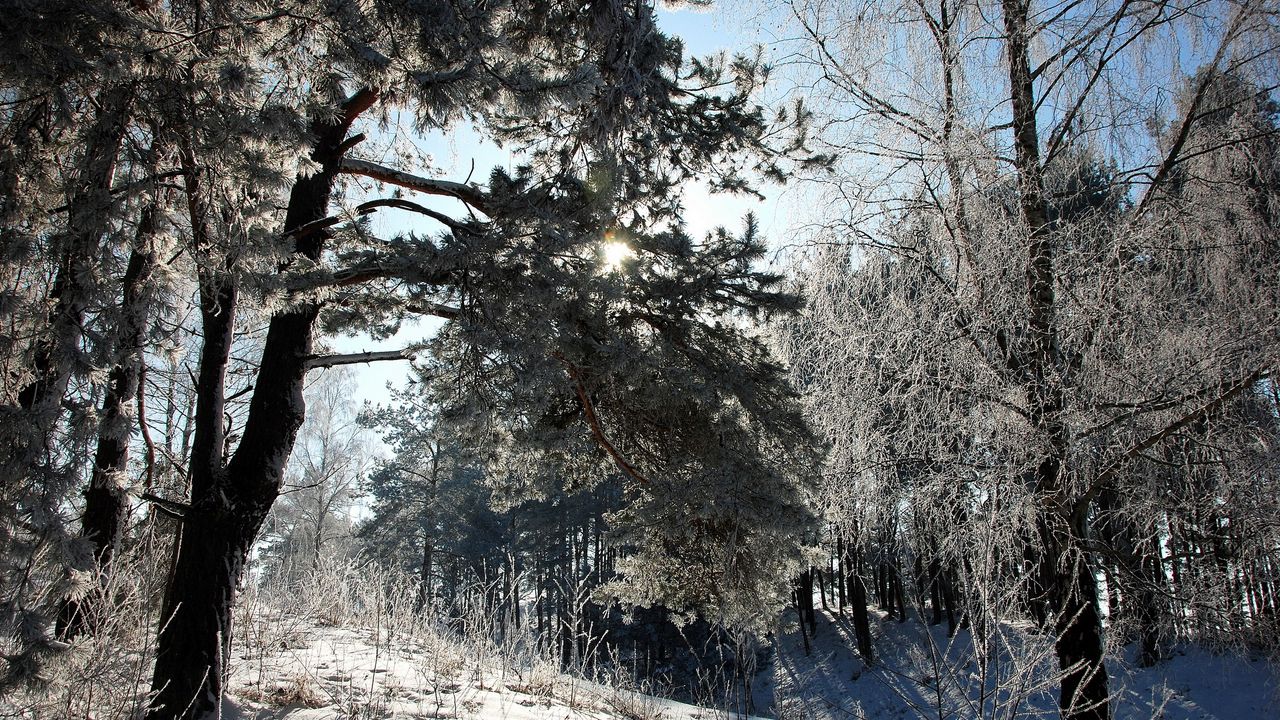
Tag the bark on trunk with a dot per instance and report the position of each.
(195, 619)
(1139, 578)
(424, 581)
(229, 502)
(806, 600)
(1079, 624)
(935, 592)
(106, 501)
(802, 594)
(1079, 642)
(841, 585)
(23, 446)
(195, 627)
(857, 591)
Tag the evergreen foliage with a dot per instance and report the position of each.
(211, 139)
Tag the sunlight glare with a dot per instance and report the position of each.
(613, 253)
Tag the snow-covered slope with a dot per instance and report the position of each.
(922, 674)
(289, 668)
(306, 671)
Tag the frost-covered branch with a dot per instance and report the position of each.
(147, 182)
(470, 195)
(370, 206)
(1201, 413)
(589, 411)
(325, 361)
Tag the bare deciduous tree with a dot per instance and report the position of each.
(1034, 304)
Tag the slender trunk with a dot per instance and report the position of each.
(424, 581)
(899, 593)
(952, 154)
(841, 585)
(935, 591)
(1138, 579)
(1079, 626)
(798, 596)
(518, 569)
(1079, 641)
(882, 589)
(1150, 620)
(858, 601)
(951, 598)
(540, 601)
(230, 501)
(806, 600)
(89, 204)
(106, 500)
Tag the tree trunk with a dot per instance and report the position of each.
(1079, 625)
(935, 591)
(424, 581)
(195, 638)
(1139, 578)
(106, 501)
(858, 601)
(802, 592)
(229, 503)
(195, 619)
(899, 593)
(806, 600)
(1079, 642)
(951, 598)
(88, 207)
(841, 585)
(53, 359)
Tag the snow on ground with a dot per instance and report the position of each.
(920, 673)
(311, 672)
(285, 668)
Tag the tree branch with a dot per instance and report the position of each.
(172, 508)
(470, 195)
(402, 204)
(353, 108)
(439, 310)
(324, 361)
(1200, 413)
(150, 180)
(366, 208)
(589, 411)
(1174, 156)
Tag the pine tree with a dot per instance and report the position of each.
(604, 119)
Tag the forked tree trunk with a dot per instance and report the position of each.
(230, 502)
